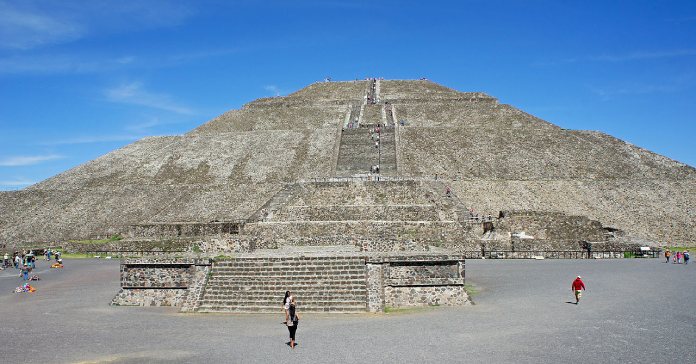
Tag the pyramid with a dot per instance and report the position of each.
(245, 164)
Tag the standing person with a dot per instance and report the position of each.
(17, 259)
(686, 257)
(6, 261)
(679, 257)
(25, 273)
(286, 305)
(293, 320)
(667, 255)
(577, 286)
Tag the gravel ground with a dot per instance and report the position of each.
(634, 311)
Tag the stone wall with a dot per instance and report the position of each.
(415, 280)
(552, 226)
(190, 229)
(160, 281)
(402, 230)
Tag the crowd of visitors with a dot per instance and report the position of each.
(677, 257)
(25, 263)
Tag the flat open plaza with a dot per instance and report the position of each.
(634, 311)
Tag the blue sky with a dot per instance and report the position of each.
(81, 78)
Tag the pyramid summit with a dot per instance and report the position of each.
(398, 160)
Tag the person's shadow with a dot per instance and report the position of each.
(572, 303)
(296, 344)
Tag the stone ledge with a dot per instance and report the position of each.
(415, 282)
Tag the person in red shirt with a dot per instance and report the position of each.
(577, 286)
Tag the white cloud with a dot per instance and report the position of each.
(134, 93)
(273, 89)
(19, 161)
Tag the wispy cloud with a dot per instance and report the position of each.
(62, 64)
(134, 93)
(685, 19)
(634, 56)
(145, 127)
(90, 139)
(272, 89)
(29, 28)
(624, 57)
(19, 161)
(17, 182)
(606, 93)
(30, 23)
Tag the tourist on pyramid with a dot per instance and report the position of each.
(293, 320)
(577, 286)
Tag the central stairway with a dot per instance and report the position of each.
(319, 284)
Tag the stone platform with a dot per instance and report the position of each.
(338, 282)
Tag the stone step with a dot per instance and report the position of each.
(266, 298)
(310, 292)
(292, 259)
(347, 284)
(291, 271)
(299, 279)
(283, 286)
(294, 269)
(289, 282)
(290, 274)
(277, 309)
(287, 272)
(294, 266)
(278, 305)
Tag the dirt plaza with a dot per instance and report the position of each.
(634, 310)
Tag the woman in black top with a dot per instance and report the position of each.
(293, 320)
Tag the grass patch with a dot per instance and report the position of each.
(76, 256)
(196, 248)
(220, 258)
(680, 248)
(98, 241)
(405, 310)
(471, 290)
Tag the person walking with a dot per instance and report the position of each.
(293, 320)
(577, 286)
(679, 257)
(667, 255)
(686, 257)
(6, 261)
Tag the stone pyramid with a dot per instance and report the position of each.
(493, 156)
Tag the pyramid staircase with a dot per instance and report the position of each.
(257, 284)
